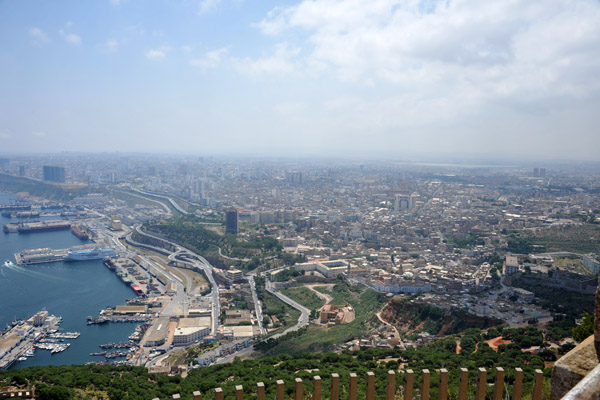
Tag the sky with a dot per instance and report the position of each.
(514, 79)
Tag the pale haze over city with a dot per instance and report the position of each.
(382, 78)
(307, 199)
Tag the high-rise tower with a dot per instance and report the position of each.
(231, 221)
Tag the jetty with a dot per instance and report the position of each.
(75, 253)
(38, 256)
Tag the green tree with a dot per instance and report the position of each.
(584, 329)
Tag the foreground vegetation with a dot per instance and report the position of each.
(77, 381)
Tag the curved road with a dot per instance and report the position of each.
(187, 256)
(304, 312)
(173, 203)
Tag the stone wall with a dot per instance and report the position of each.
(572, 368)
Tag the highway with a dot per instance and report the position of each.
(187, 256)
(163, 205)
(173, 203)
(199, 263)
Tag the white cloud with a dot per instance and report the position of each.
(5, 135)
(283, 62)
(38, 36)
(206, 6)
(210, 59)
(111, 45)
(484, 50)
(156, 54)
(70, 38)
(186, 49)
(38, 134)
(275, 22)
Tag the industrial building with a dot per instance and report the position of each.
(157, 334)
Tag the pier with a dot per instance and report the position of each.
(21, 338)
(38, 256)
(45, 255)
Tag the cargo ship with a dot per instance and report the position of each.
(10, 228)
(95, 253)
(26, 214)
(44, 226)
(137, 290)
(8, 210)
(109, 264)
(80, 232)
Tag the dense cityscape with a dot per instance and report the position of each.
(241, 258)
(301, 199)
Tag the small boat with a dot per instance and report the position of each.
(8, 263)
(22, 358)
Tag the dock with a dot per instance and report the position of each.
(45, 255)
(39, 256)
(35, 227)
(23, 336)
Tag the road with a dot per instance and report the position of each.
(232, 258)
(173, 202)
(241, 353)
(198, 262)
(304, 312)
(163, 205)
(324, 296)
(257, 306)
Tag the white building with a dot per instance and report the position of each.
(188, 335)
(329, 269)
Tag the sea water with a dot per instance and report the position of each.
(71, 290)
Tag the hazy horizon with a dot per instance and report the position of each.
(392, 79)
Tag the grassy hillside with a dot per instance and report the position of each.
(366, 302)
(16, 184)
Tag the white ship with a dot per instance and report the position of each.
(95, 253)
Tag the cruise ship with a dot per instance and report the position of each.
(94, 253)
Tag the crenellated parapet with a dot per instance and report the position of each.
(479, 390)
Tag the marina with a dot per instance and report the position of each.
(71, 290)
(39, 331)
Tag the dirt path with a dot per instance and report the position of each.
(383, 321)
(324, 296)
(495, 342)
